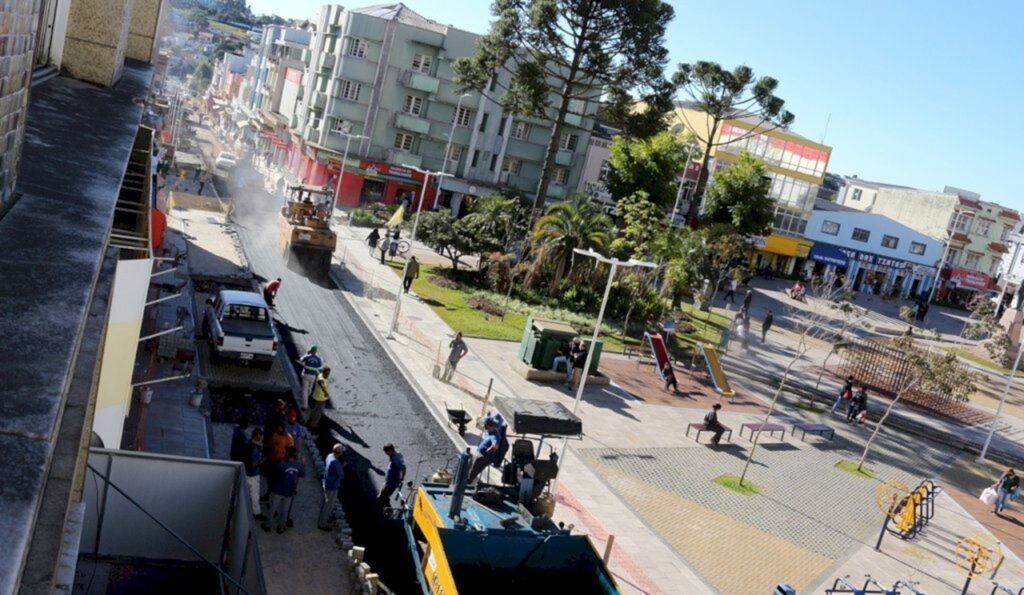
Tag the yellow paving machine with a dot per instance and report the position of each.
(499, 538)
(306, 236)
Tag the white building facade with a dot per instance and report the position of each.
(872, 252)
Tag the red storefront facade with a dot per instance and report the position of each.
(364, 182)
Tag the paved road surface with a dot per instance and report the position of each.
(372, 403)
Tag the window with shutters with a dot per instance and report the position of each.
(463, 116)
(403, 141)
(560, 176)
(569, 142)
(350, 90)
(422, 63)
(512, 165)
(455, 152)
(413, 105)
(577, 106)
(520, 130)
(358, 48)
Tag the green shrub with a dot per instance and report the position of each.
(362, 218)
(580, 298)
(499, 271)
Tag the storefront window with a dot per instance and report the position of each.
(373, 190)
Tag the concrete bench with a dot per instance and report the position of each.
(700, 427)
(760, 427)
(823, 430)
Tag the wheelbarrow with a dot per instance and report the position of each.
(458, 418)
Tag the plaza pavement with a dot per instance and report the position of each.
(636, 476)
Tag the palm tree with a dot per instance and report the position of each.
(502, 217)
(576, 222)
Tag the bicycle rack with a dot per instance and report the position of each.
(911, 513)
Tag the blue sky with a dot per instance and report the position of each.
(923, 93)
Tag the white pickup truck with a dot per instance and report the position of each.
(239, 326)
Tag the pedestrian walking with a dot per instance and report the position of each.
(372, 240)
(198, 173)
(393, 244)
(311, 365)
(766, 324)
(320, 398)
(281, 493)
(253, 463)
(730, 294)
(270, 289)
(394, 475)
(845, 393)
(203, 181)
(457, 350)
(744, 310)
(670, 377)
(334, 473)
(1008, 487)
(711, 423)
(412, 271)
(858, 403)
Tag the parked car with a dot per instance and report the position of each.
(239, 326)
(226, 160)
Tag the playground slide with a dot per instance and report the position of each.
(715, 370)
(657, 344)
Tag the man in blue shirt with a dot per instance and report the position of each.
(334, 472)
(311, 366)
(393, 477)
(285, 482)
(489, 449)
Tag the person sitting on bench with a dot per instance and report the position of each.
(711, 423)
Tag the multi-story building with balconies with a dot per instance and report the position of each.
(795, 164)
(380, 95)
(974, 231)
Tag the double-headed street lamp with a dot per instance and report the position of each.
(412, 239)
(615, 264)
(346, 131)
(451, 133)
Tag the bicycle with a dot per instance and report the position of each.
(403, 246)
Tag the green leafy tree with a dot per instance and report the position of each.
(723, 94)
(198, 17)
(707, 257)
(202, 76)
(449, 236)
(649, 165)
(738, 195)
(576, 222)
(561, 51)
(644, 224)
(502, 217)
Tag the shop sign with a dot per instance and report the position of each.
(831, 255)
(757, 241)
(968, 279)
(924, 270)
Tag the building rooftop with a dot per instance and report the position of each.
(741, 116)
(53, 249)
(403, 14)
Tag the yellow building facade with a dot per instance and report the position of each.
(795, 164)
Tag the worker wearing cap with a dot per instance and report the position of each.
(311, 366)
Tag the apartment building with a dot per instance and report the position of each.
(380, 88)
(795, 164)
(975, 231)
(593, 181)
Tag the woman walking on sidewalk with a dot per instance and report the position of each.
(1008, 487)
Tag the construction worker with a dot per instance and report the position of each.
(270, 291)
(320, 398)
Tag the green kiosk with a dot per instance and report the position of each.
(542, 338)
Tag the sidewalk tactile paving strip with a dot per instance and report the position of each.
(816, 510)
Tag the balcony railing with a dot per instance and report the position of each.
(420, 81)
(399, 157)
(412, 123)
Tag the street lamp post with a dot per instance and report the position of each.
(615, 264)
(345, 131)
(412, 239)
(945, 254)
(451, 133)
(1002, 400)
(679, 198)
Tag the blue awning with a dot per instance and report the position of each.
(829, 254)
